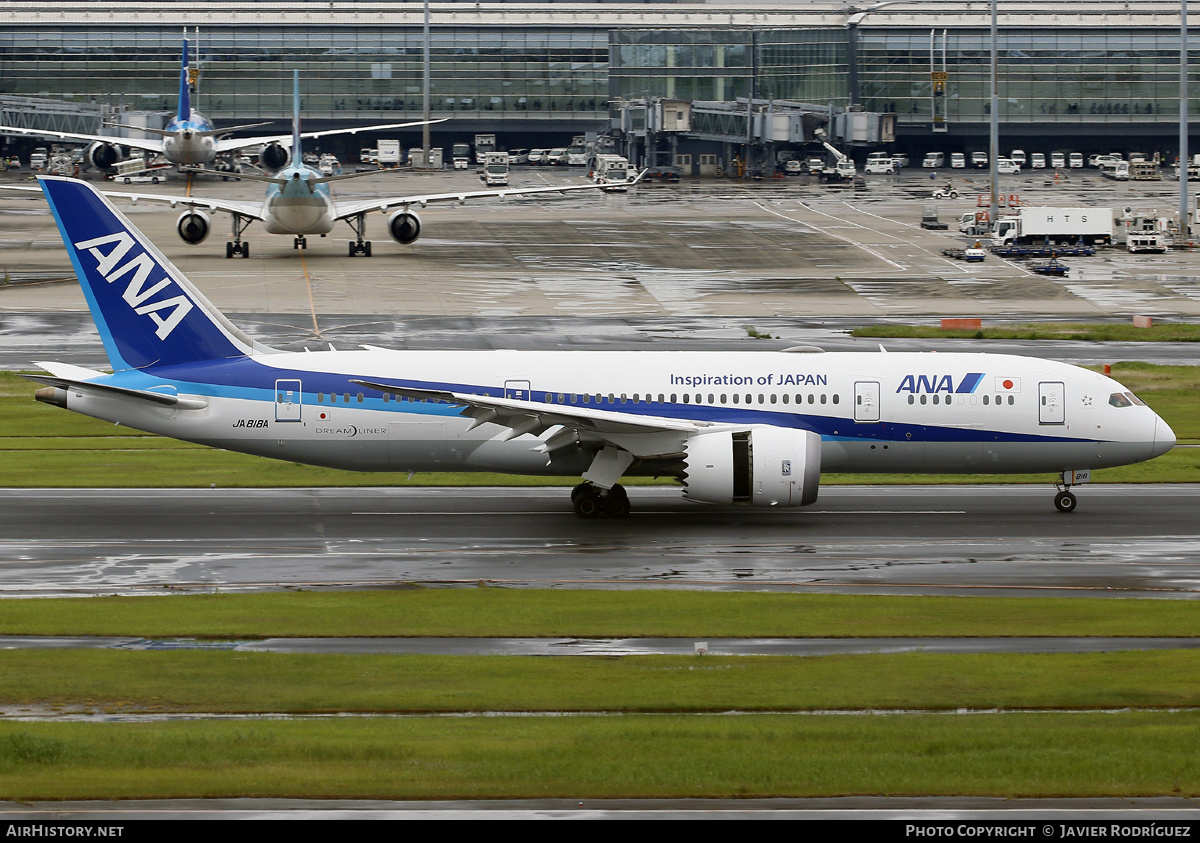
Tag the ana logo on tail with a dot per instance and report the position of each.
(166, 313)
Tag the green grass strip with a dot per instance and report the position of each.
(1016, 755)
(499, 612)
(1074, 331)
(247, 682)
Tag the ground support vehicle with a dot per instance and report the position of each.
(1051, 267)
(1056, 226)
(495, 169)
(1045, 251)
(387, 154)
(929, 220)
(611, 169)
(460, 156)
(947, 192)
(484, 144)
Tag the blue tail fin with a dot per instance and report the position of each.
(185, 99)
(297, 154)
(147, 312)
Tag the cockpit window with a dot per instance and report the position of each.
(1135, 399)
(1118, 399)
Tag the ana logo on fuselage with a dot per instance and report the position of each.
(939, 383)
(166, 313)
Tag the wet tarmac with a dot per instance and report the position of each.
(1121, 541)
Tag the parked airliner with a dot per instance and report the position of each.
(755, 428)
(190, 139)
(299, 202)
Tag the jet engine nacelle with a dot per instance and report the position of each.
(404, 226)
(274, 156)
(761, 466)
(103, 156)
(193, 227)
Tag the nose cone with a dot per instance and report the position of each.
(1164, 437)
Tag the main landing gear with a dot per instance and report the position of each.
(591, 501)
(359, 246)
(237, 248)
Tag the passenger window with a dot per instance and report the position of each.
(320, 397)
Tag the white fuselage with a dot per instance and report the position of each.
(874, 412)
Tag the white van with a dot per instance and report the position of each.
(934, 159)
(1037, 160)
(1075, 161)
(1007, 167)
(1018, 155)
(958, 161)
(1058, 161)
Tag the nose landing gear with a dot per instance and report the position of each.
(1065, 501)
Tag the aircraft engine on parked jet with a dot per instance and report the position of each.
(103, 156)
(274, 157)
(761, 466)
(404, 227)
(193, 227)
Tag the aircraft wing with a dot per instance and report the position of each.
(227, 144)
(152, 145)
(642, 435)
(252, 210)
(344, 210)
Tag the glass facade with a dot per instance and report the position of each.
(805, 65)
(372, 71)
(1057, 75)
(369, 71)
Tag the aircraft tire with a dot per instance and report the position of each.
(228, 250)
(367, 248)
(1065, 502)
(616, 502)
(588, 505)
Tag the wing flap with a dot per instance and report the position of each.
(642, 435)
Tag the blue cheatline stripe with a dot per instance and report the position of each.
(252, 380)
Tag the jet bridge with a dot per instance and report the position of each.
(654, 128)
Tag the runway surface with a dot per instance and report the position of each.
(1123, 540)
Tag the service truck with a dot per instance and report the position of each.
(579, 151)
(495, 169)
(483, 145)
(611, 169)
(1057, 226)
(387, 153)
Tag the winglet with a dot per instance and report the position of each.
(146, 310)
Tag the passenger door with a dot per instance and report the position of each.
(1050, 403)
(866, 401)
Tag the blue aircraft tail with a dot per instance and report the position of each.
(297, 154)
(146, 310)
(185, 98)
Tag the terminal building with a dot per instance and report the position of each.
(1074, 75)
